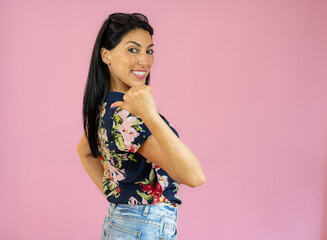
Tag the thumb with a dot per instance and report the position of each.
(117, 104)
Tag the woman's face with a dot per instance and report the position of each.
(130, 61)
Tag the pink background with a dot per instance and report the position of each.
(243, 82)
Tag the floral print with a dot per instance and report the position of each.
(154, 191)
(129, 178)
(125, 128)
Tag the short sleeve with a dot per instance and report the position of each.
(128, 131)
(171, 127)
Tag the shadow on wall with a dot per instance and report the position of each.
(324, 214)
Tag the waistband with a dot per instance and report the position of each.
(165, 209)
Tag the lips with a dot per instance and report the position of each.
(140, 74)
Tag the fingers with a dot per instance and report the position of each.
(137, 100)
(117, 104)
(138, 90)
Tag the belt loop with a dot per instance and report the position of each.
(112, 207)
(146, 210)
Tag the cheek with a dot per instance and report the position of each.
(123, 67)
(150, 61)
(151, 65)
(127, 61)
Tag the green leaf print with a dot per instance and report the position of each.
(118, 164)
(176, 185)
(146, 182)
(117, 120)
(137, 125)
(143, 195)
(131, 157)
(120, 142)
(152, 177)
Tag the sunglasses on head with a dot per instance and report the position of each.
(123, 18)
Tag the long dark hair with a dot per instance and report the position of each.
(98, 79)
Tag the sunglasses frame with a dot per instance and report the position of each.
(126, 17)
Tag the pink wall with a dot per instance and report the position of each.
(244, 83)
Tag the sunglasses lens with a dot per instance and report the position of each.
(140, 17)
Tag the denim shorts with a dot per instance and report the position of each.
(144, 222)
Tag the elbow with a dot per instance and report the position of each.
(197, 181)
(191, 179)
(79, 150)
(83, 148)
(82, 152)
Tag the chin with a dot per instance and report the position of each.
(140, 83)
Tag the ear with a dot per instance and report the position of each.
(105, 55)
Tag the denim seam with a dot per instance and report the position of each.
(136, 219)
(124, 229)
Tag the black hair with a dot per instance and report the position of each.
(98, 80)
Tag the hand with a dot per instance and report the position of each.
(138, 100)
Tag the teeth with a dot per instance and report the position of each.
(139, 73)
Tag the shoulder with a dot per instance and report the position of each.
(121, 116)
(128, 130)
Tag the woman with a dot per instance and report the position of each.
(129, 150)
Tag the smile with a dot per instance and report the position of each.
(139, 74)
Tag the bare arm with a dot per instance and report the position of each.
(178, 161)
(92, 165)
(163, 147)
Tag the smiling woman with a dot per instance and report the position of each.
(130, 61)
(129, 150)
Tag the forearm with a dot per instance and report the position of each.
(92, 165)
(94, 169)
(182, 165)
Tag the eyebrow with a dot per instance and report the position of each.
(139, 44)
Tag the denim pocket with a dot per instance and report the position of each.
(121, 232)
(169, 230)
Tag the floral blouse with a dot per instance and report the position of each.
(129, 178)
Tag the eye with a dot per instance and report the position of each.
(132, 50)
(150, 51)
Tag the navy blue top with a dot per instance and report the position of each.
(129, 178)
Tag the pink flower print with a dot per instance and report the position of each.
(144, 201)
(103, 109)
(117, 174)
(102, 134)
(163, 180)
(127, 131)
(109, 167)
(104, 149)
(132, 148)
(155, 167)
(133, 201)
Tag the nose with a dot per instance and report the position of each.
(144, 60)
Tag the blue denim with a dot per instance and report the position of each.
(144, 222)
